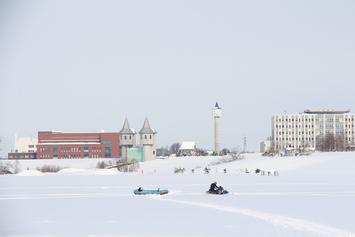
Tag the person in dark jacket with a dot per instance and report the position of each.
(213, 187)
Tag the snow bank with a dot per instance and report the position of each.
(30, 173)
(70, 171)
(76, 171)
(112, 171)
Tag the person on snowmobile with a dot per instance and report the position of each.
(213, 187)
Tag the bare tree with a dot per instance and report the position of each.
(174, 148)
(49, 168)
(163, 151)
(10, 167)
(270, 152)
(331, 142)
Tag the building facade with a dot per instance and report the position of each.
(303, 130)
(25, 148)
(58, 145)
(25, 144)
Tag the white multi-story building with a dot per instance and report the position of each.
(25, 144)
(302, 130)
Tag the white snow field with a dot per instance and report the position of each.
(312, 196)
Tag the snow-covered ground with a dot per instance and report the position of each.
(312, 196)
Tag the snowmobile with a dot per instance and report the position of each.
(144, 191)
(219, 191)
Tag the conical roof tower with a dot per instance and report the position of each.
(126, 129)
(148, 140)
(127, 139)
(146, 128)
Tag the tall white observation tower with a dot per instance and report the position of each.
(217, 112)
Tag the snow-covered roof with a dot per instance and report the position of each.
(188, 146)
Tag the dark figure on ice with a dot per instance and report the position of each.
(213, 187)
(140, 189)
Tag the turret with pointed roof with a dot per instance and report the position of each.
(126, 129)
(148, 140)
(127, 138)
(146, 128)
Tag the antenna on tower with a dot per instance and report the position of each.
(245, 144)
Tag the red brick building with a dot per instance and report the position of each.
(58, 145)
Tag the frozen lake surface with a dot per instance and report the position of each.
(312, 196)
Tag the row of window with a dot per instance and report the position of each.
(145, 136)
(68, 141)
(78, 149)
(289, 126)
(305, 139)
(73, 156)
(77, 156)
(327, 125)
(299, 133)
(96, 149)
(320, 132)
(70, 149)
(125, 137)
(47, 149)
(299, 120)
(21, 156)
(329, 119)
(299, 139)
(292, 147)
(130, 137)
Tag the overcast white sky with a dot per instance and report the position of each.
(83, 66)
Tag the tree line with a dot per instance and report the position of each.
(167, 151)
(331, 142)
